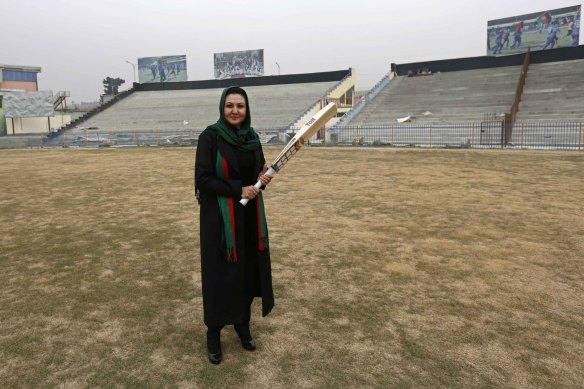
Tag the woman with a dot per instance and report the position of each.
(235, 258)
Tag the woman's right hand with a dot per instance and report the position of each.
(249, 192)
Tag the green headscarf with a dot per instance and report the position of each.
(245, 138)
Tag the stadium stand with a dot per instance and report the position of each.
(553, 92)
(465, 102)
(468, 89)
(453, 97)
(273, 106)
(175, 113)
(193, 105)
(473, 102)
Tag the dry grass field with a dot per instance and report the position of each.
(392, 268)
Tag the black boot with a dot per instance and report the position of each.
(214, 345)
(245, 336)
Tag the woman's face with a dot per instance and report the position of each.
(235, 110)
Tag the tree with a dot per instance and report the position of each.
(110, 85)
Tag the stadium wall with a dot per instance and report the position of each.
(247, 81)
(471, 63)
(38, 125)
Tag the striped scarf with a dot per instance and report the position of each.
(226, 206)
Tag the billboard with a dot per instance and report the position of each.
(170, 68)
(237, 64)
(28, 104)
(542, 30)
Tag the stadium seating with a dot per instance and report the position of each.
(272, 106)
(553, 91)
(451, 97)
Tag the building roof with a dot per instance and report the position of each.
(35, 69)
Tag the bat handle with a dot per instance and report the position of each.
(258, 184)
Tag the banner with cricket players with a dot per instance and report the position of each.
(238, 64)
(542, 30)
(170, 68)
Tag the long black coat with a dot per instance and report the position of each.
(227, 285)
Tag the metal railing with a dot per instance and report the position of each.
(548, 136)
(94, 111)
(319, 102)
(519, 89)
(486, 134)
(357, 107)
(121, 138)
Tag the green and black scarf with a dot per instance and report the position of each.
(245, 138)
(242, 141)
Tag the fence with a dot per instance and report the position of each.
(121, 138)
(486, 134)
(548, 135)
(22, 141)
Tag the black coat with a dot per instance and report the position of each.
(228, 286)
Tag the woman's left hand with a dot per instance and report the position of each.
(263, 177)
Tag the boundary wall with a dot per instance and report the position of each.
(35, 125)
(471, 63)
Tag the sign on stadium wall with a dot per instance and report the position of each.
(170, 68)
(28, 104)
(237, 64)
(542, 30)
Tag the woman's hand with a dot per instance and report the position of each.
(263, 177)
(249, 192)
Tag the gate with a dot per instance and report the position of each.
(492, 130)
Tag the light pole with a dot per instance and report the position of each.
(133, 69)
(278, 65)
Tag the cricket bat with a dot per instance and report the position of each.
(304, 133)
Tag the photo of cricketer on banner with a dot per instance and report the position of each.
(305, 132)
(541, 30)
(170, 68)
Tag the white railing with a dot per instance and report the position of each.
(318, 103)
(350, 114)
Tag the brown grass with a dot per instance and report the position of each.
(392, 268)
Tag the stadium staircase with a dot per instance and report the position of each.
(358, 106)
(334, 94)
(59, 99)
(76, 122)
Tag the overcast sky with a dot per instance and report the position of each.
(79, 43)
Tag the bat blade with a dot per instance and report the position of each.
(308, 129)
(304, 133)
(316, 122)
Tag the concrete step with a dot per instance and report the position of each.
(552, 105)
(560, 118)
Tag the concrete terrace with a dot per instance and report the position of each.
(553, 91)
(451, 97)
(272, 106)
